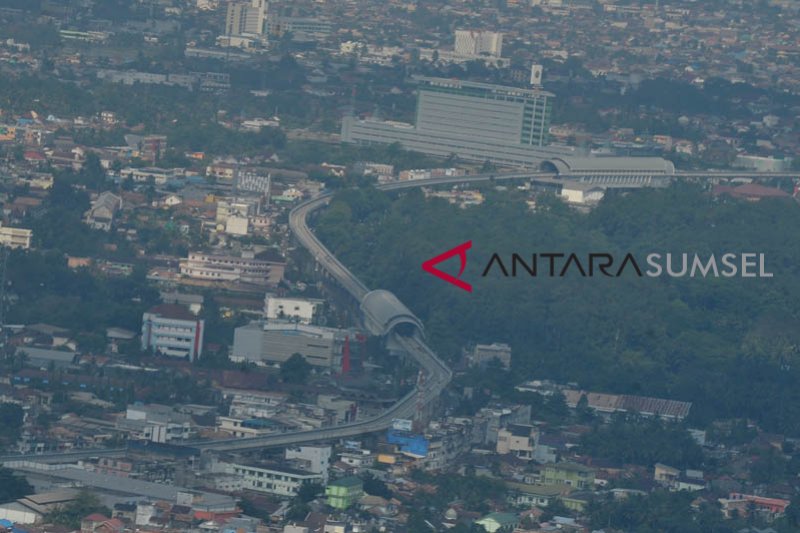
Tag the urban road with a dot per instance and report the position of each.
(438, 374)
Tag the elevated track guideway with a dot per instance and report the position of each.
(385, 315)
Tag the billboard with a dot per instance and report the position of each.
(402, 424)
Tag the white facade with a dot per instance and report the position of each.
(478, 42)
(18, 513)
(484, 354)
(358, 458)
(212, 267)
(237, 226)
(276, 341)
(517, 440)
(241, 428)
(763, 164)
(177, 334)
(277, 480)
(253, 181)
(316, 459)
(156, 423)
(15, 237)
(581, 194)
(160, 176)
(255, 404)
(301, 309)
(236, 207)
(246, 17)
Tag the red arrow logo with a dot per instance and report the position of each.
(461, 252)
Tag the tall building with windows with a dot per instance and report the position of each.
(499, 114)
(172, 330)
(478, 42)
(475, 121)
(246, 17)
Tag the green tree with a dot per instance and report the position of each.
(11, 419)
(12, 487)
(376, 487)
(92, 174)
(71, 514)
(295, 370)
(309, 491)
(670, 337)
(583, 412)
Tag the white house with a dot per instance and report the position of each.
(582, 193)
(104, 208)
(302, 309)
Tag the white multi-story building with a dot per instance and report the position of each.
(254, 180)
(299, 309)
(517, 439)
(15, 237)
(245, 269)
(246, 427)
(237, 226)
(171, 329)
(254, 404)
(478, 42)
(156, 423)
(316, 459)
(243, 18)
(484, 354)
(104, 209)
(160, 176)
(357, 458)
(236, 207)
(277, 341)
(272, 479)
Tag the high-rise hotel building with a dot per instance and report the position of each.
(474, 121)
(246, 17)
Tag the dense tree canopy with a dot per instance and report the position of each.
(296, 369)
(11, 419)
(659, 512)
(729, 345)
(644, 442)
(12, 487)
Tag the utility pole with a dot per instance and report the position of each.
(3, 298)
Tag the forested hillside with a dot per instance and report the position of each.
(728, 345)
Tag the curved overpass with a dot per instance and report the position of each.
(391, 313)
(384, 314)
